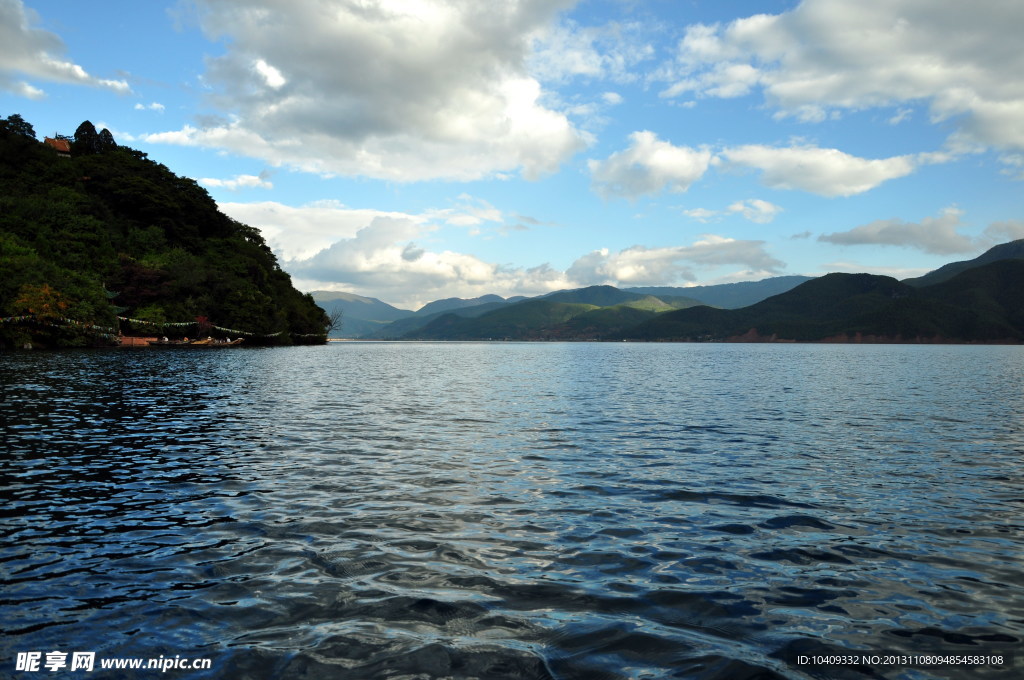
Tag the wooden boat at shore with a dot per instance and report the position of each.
(205, 342)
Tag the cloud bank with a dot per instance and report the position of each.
(28, 53)
(397, 91)
(391, 255)
(825, 172)
(386, 259)
(651, 165)
(828, 56)
(260, 181)
(639, 265)
(936, 235)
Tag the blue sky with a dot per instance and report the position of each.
(412, 150)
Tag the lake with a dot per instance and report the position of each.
(516, 510)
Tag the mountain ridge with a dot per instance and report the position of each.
(981, 304)
(728, 295)
(1011, 250)
(360, 315)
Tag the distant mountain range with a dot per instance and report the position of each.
(981, 300)
(452, 304)
(731, 295)
(981, 304)
(360, 315)
(586, 313)
(365, 317)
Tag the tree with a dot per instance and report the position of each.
(41, 301)
(87, 140)
(106, 140)
(332, 321)
(15, 123)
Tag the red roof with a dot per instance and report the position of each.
(61, 145)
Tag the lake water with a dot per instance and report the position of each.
(549, 510)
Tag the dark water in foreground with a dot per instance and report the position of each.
(583, 511)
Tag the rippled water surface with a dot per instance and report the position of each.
(591, 511)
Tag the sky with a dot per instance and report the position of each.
(412, 150)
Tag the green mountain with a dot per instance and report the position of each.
(609, 296)
(529, 320)
(982, 304)
(402, 328)
(451, 304)
(986, 302)
(1014, 250)
(601, 296)
(664, 303)
(525, 320)
(364, 317)
(589, 313)
(603, 322)
(101, 234)
(360, 315)
(728, 295)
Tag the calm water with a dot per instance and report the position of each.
(589, 511)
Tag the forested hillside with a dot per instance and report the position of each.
(981, 304)
(106, 241)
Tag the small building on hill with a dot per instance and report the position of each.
(61, 146)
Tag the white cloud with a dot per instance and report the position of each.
(703, 214)
(1014, 165)
(390, 90)
(29, 52)
(389, 255)
(826, 56)
(1010, 230)
(384, 260)
(900, 116)
(297, 233)
(611, 98)
(154, 106)
(271, 76)
(640, 265)
(936, 235)
(260, 181)
(753, 209)
(826, 172)
(468, 212)
(19, 87)
(564, 50)
(723, 80)
(648, 166)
